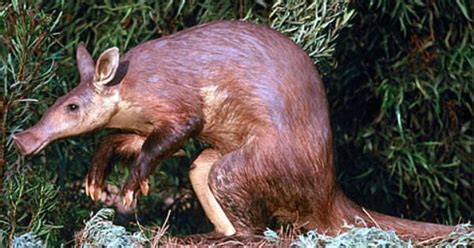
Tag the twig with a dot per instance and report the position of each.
(428, 241)
(160, 232)
(372, 219)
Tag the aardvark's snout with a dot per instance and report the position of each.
(27, 142)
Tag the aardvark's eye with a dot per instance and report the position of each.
(72, 107)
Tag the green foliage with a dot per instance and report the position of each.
(402, 108)
(100, 232)
(30, 203)
(314, 26)
(27, 198)
(27, 240)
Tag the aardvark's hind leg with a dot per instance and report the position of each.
(232, 180)
(199, 175)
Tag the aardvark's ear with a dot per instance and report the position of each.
(106, 67)
(85, 63)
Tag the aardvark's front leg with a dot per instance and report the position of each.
(163, 142)
(124, 145)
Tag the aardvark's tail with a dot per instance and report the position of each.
(345, 209)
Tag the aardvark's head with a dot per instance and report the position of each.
(87, 107)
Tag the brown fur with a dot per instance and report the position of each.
(257, 99)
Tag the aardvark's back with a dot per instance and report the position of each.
(264, 79)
